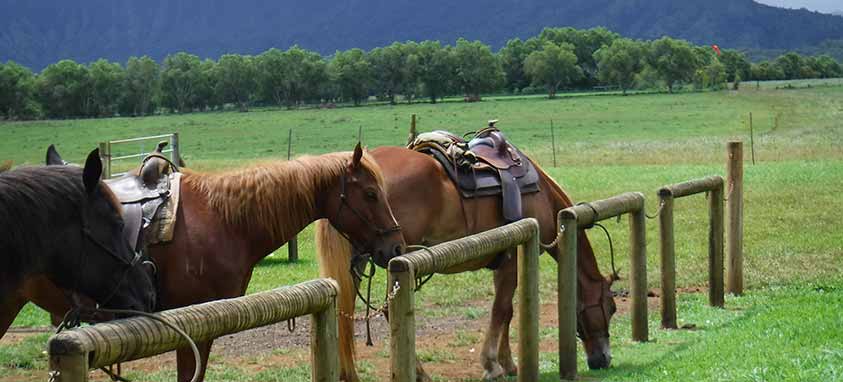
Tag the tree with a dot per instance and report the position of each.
(673, 60)
(619, 64)
(352, 74)
(512, 58)
(272, 73)
(585, 43)
(437, 69)
(828, 67)
(711, 76)
(388, 64)
(791, 65)
(181, 79)
(736, 64)
(236, 79)
(17, 87)
(107, 86)
(64, 90)
(208, 94)
(553, 66)
(140, 85)
(477, 69)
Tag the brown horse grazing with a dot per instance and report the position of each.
(63, 225)
(427, 205)
(227, 222)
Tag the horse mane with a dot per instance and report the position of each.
(276, 197)
(32, 201)
(6, 166)
(334, 252)
(590, 264)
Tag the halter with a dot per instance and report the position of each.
(584, 334)
(379, 232)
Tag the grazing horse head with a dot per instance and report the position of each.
(95, 258)
(362, 212)
(595, 308)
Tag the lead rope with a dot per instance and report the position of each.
(72, 319)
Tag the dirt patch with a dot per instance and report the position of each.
(449, 346)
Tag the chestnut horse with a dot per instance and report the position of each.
(428, 207)
(63, 225)
(227, 222)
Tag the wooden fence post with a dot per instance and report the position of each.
(324, 351)
(638, 274)
(292, 244)
(413, 132)
(402, 322)
(735, 196)
(715, 247)
(668, 260)
(70, 367)
(528, 310)
(566, 279)
(175, 155)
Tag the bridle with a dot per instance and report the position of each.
(88, 237)
(379, 232)
(582, 331)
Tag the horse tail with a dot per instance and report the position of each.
(334, 254)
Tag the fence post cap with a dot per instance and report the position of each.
(399, 264)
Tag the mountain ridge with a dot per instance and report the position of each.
(36, 33)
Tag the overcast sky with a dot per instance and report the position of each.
(814, 5)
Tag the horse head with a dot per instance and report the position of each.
(363, 213)
(96, 260)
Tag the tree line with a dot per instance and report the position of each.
(556, 59)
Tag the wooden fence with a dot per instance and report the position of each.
(581, 216)
(74, 352)
(403, 271)
(712, 185)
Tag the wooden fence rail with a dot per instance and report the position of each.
(74, 352)
(403, 271)
(712, 185)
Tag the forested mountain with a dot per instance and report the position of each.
(36, 33)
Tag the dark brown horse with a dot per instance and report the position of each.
(62, 225)
(227, 222)
(428, 207)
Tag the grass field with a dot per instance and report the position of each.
(786, 328)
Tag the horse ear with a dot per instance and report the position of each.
(53, 157)
(358, 155)
(93, 171)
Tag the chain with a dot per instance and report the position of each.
(658, 211)
(555, 241)
(376, 312)
(54, 375)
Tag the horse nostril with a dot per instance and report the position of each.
(397, 251)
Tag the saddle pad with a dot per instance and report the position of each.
(163, 224)
(479, 180)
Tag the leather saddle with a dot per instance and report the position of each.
(143, 193)
(486, 165)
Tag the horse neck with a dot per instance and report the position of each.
(268, 205)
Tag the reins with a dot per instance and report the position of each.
(73, 317)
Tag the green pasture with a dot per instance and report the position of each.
(786, 328)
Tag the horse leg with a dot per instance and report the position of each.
(505, 352)
(9, 309)
(505, 282)
(187, 361)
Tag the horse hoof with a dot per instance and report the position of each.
(423, 377)
(493, 375)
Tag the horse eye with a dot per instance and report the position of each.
(371, 195)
